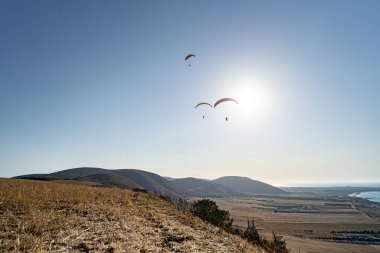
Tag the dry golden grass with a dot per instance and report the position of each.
(41, 216)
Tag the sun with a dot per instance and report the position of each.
(255, 101)
(256, 96)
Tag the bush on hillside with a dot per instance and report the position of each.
(137, 189)
(209, 211)
(277, 245)
(251, 234)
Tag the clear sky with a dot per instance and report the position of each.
(105, 84)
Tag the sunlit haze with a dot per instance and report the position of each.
(105, 84)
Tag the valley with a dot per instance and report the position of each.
(311, 222)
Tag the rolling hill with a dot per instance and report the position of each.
(79, 172)
(185, 187)
(68, 174)
(248, 186)
(150, 181)
(124, 178)
(111, 179)
(195, 187)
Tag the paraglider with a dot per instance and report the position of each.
(203, 104)
(188, 57)
(225, 100)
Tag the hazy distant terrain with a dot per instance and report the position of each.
(248, 186)
(202, 188)
(185, 187)
(331, 191)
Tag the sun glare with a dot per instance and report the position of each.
(255, 101)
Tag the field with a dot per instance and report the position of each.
(308, 222)
(48, 216)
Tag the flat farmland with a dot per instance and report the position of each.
(292, 211)
(307, 222)
(298, 245)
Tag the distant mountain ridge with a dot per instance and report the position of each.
(231, 186)
(202, 188)
(248, 186)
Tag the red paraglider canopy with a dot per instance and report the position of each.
(224, 100)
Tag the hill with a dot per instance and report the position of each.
(67, 174)
(41, 216)
(248, 186)
(150, 181)
(187, 187)
(79, 172)
(195, 187)
(124, 178)
(111, 180)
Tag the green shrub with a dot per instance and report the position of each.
(209, 211)
(140, 190)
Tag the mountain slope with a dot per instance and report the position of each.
(125, 178)
(67, 174)
(195, 187)
(149, 181)
(79, 172)
(42, 216)
(111, 180)
(248, 186)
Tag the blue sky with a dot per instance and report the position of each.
(105, 84)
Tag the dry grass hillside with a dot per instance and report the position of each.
(41, 216)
